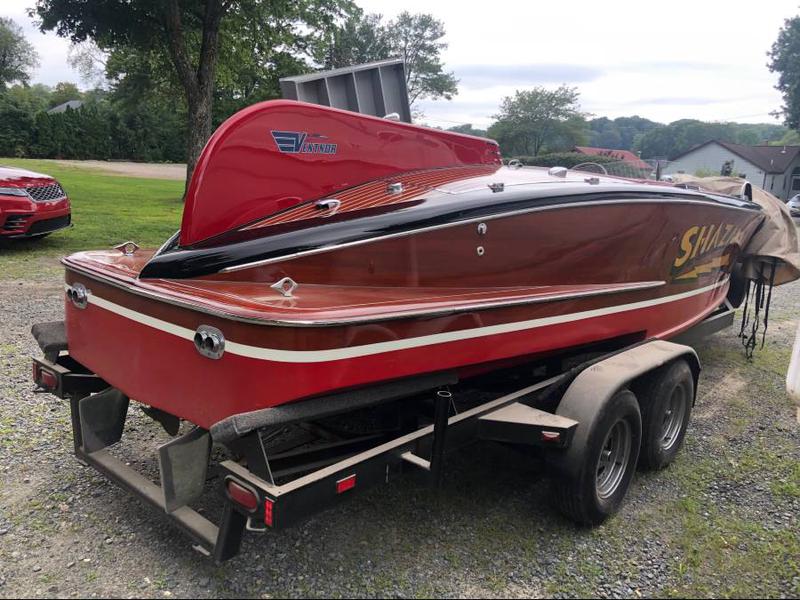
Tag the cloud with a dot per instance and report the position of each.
(482, 76)
(486, 76)
(691, 100)
(675, 101)
(674, 66)
(52, 50)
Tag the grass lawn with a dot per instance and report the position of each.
(106, 210)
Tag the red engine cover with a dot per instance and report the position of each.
(276, 154)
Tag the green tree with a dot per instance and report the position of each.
(676, 138)
(88, 60)
(31, 98)
(604, 134)
(468, 129)
(620, 133)
(15, 128)
(191, 36)
(42, 142)
(747, 137)
(416, 38)
(64, 91)
(17, 56)
(790, 138)
(783, 59)
(362, 38)
(630, 128)
(153, 129)
(565, 159)
(536, 120)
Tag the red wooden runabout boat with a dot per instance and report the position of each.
(323, 250)
(333, 270)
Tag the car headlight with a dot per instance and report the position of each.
(10, 191)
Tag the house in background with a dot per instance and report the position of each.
(774, 168)
(621, 155)
(72, 105)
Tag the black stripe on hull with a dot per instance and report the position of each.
(240, 247)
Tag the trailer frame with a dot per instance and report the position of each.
(252, 498)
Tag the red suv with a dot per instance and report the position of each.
(31, 204)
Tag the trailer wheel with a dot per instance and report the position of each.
(593, 478)
(666, 409)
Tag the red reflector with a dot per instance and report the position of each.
(46, 379)
(268, 512)
(242, 496)
(551, 436)
(348, 483)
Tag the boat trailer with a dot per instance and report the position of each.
(267, 488)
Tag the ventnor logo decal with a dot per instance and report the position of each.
(300, 142)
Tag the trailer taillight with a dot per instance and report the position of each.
(348, 483)
(268, 504)
(44, 378)
(551, 436)
(242, 496)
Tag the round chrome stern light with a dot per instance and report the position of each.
(209, 342)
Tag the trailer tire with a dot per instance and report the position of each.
(582, 492)
(666, 409)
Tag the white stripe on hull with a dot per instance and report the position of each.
(314, 356)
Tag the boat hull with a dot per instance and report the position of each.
(579, 274)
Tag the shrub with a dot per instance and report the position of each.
(563, 159)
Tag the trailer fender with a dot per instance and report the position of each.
(592, 389)
(237, 426)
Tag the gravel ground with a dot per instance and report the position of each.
(721, 521)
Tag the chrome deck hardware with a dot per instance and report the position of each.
(328, 204)
(394, 188)
(497, 187)
(127, 248)
(285, 286)
(557, 171)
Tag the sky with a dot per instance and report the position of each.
(702, 59)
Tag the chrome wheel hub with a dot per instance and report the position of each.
(672, 419)
(613, 461)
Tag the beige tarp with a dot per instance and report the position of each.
(777, 238)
